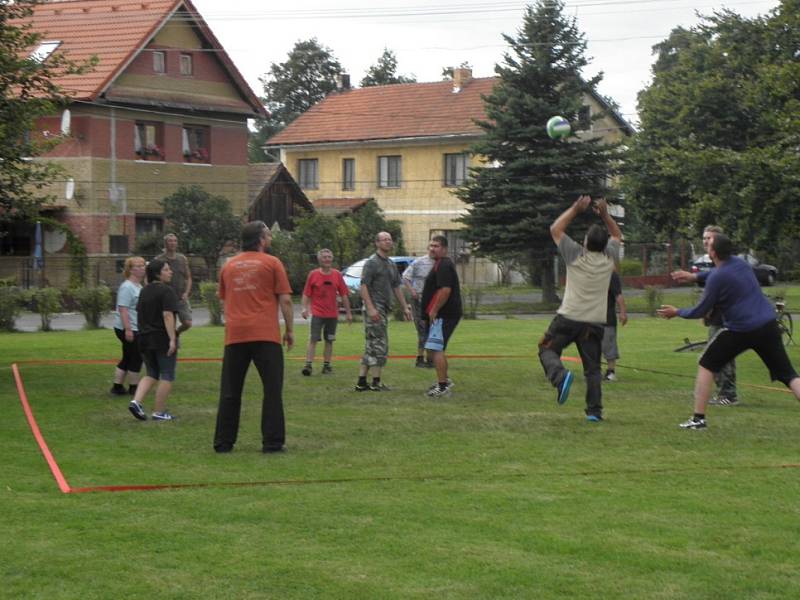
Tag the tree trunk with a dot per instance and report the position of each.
(549, 294)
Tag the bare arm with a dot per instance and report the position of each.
(125, 317)
(623, 309)
(287, 310)
(304, 303)
(559, 226)
(169, 324)
(188, 291)
(442, 295)
(683, 276)
(613, 229)
(401, 298)
(372, 312)
(346, 303)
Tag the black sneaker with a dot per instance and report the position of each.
(362, 387)
(118, 390)
(327, 369)
(272, 449)
(306, 370)
(694, 423)
(137, 410)
(162, 416)
(420, 363)
(379, 387)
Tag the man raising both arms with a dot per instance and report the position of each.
(582, 314)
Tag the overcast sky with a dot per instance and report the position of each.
(429, 35)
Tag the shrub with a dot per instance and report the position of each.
(12, 299)
(653, 297)
(208, 291)
(46, 302)
(93, 302)
(630, 267)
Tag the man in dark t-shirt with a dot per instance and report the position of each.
(441, 299)
(609, 347)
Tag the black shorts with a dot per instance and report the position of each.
(766, 341)
(448, 327)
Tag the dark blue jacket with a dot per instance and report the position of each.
(734, 289)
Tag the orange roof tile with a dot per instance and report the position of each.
(115, 31)
(391, 111)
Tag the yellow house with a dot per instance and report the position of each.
(405, 146)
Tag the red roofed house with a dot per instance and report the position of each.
(165, 107)
(404, 145)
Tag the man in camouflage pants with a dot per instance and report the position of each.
(379, 280)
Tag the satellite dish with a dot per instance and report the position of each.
(54, 241)
(69, 190)
(66, 122)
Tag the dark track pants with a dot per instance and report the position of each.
(268, 359)
(589, 339)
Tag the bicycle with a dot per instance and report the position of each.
(785, 321)
(782, 316)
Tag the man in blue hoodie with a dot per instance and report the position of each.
(748, 323)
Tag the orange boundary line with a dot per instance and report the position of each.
(37, 434)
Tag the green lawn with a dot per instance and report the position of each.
(495, 492)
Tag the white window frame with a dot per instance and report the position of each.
(186, 64)
(308, 173)
(390, 171)
(159, 61)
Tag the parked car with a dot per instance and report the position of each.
(765, 274)
(352, 276)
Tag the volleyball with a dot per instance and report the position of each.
(558, 127)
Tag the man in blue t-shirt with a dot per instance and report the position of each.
(748, 323)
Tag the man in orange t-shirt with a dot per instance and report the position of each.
(252, 286)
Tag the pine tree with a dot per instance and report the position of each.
(529, 179)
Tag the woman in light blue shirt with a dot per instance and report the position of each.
(126, 327)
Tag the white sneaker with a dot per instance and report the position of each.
(610, 376)
(437, 392)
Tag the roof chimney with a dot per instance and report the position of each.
(342, 82)
(461, 77)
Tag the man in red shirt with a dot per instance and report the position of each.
(252, 286)
(322, 287)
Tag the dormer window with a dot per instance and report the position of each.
(159, 61)
(44, 50)
(186, 64)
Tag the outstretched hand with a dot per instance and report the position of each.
(667, 311)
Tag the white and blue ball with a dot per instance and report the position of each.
(558, 127)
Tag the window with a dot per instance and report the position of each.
(308, 169)
(349, 174)
(159, 62)
(584, 118)
(44, 50)
(148, 140)
(118, 244)
(186, 64)
(149, 225)
(389, 171)
(196, 144)
(455, 169)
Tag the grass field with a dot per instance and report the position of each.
(494, 492)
